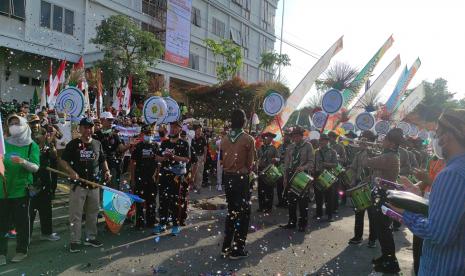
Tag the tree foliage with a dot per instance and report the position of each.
(231, 58)
(128, 50)
(271, 59)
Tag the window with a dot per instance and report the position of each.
(154, 8)
(268, 16)
(239, 2)
(57, 18)
(245, 38)
(69, 22)
(195, 18)
(13, 8)
(36, 82)
(45, 12)
(236, 36)
(23, 80)
(247, 5)
(159, 34)
(194, 61)
(218, 27)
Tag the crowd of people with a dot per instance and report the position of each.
(166, 162)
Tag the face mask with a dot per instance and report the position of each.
(148, 139)
(437, 149)
(15, 130)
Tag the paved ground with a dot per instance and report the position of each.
(322, 250)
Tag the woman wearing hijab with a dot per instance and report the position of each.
(21, 161)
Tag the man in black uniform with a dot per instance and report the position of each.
(282, 196)
(199, 146)
(175, 153)
(144, 162)
(267, 155)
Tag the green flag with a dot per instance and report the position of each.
(35, 99)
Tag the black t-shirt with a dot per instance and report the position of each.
(85, 159)
(180, 148)
(144, 155)
(198, 145)
(110, 143)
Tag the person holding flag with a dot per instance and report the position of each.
(84, 157)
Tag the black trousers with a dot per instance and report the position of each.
(327, 197)
(183, 193)
(41, 203)
(18, 209)
(384, 233)
(238, 191)
(147, 189)
(282, 195)
(359, 223)
(169, 198)
(417, 248)
(265, 195)
(301, 202)
(54, 176)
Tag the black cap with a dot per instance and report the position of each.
(86, 122)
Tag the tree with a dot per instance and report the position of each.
(128, 50)
(270, 60)
(338, 76)
(231, 58)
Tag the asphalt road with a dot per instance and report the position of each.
(322, 250)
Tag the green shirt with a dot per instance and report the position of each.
(18, 178)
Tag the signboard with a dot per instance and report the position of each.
(173, 111)
(365, 121)
(273, 104)
(154, 110)
(332, 101)
(70, 101)
(178, 31)
(405, 127)
(319, 119)
(382, 127)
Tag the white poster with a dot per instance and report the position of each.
(178, 31)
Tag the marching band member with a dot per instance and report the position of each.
(267, 155)
(362, 174)
(282, 196)
(325, 158)
(385, 166)
(342, 160)
(300, 159)
(238, 154)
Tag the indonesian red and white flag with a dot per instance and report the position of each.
(118, 100)
(80, 65)
(59, 79)
(127, 96)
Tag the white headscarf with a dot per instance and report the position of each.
(23, 138)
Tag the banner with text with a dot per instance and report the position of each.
(178, 31)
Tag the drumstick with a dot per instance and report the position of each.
(391, 184)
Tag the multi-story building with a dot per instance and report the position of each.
(40, 30)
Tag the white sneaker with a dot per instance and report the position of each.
(219, 188)
(51, 237)
(2, 260)
(18, 257)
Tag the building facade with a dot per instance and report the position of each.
(61, 29)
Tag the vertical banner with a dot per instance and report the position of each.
(396, 96)
(178, 31)
(375, 88)
(413, 98)
(304, 87)
(350, 93)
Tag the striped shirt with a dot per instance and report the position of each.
(443, 230)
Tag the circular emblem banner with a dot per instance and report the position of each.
(70, 101)
(314, 135)
(423, 134)
(348, 126)
(273, 104)
(382, 127)
(413, 131)
(173, 111)
(332, 101)
(319, 119)
(365, 121)
(154, 110)
(405, 127)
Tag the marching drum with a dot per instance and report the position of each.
(271, 175)
(346, 178)
(299, 183)
(325, 180)
(360, 196)
(338, 170)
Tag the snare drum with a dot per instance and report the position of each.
(360, 196)
(325, 180)
(346, 178)
(271, 175)
(338, 170)
(299, 183)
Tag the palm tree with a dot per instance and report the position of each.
(338, 76)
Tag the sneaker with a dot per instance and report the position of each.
(330, 219)
(18, 257)
(236, 255)
(93, 243)
(389, 265)
(355, 240)
(158, 229)
(371, 244)
(175, 230)
(74, 247)
(378, 260)
(51, 237)
(2, 260)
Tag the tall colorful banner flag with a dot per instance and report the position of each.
(351, 92)
(303, 88)
(127, 96)
(178, 31)
(55, 83)
(401, 86)
(43, 96)
(375, 88)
